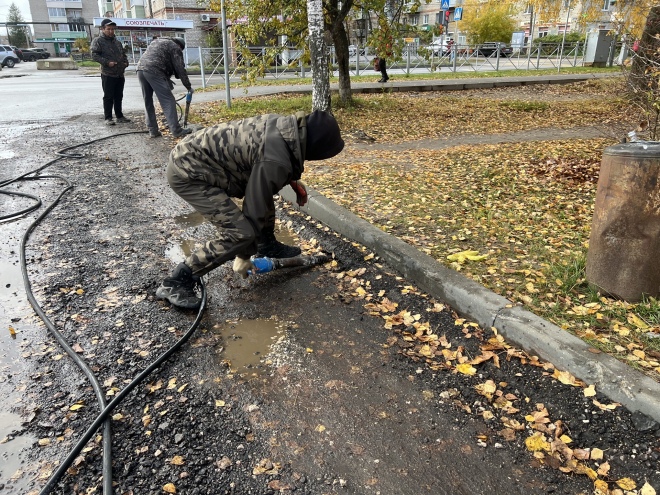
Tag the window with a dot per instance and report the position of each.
(606, 5)
(543, 32)
(75, 13)
(59, 27)
(528, 9)
(438, 18)
(426, 20)
(567, 4)
(414, 20)
(405, 21)
(56, 12)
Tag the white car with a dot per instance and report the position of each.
(8, 57)
(439, 47)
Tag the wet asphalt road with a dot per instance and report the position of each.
(334, 406)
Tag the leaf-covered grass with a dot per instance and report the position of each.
(373, 76)
(397, 117)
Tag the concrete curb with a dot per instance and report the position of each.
(410, 86)
(530, 332)
(456, 84)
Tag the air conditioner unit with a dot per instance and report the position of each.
(206, 17)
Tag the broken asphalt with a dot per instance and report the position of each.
(336, 405)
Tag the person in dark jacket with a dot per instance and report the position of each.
(252, 159)
(107, 51)
(162, 60)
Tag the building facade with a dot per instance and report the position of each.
(529, 22)
(427, 16)
(204, 20)
(60, 22)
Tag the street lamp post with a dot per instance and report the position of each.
(563, 39)
(225, 52)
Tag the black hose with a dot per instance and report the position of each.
(119, 397)
(105, 410)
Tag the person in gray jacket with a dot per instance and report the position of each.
(162, 60)
(107, 51)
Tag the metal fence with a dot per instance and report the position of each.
(416, 59)
(279, 62)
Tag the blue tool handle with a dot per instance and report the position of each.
(263, 265)
(189, 97)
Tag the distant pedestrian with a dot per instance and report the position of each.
(162, 60)
(382, 67)
(384, 48)
(107, 51)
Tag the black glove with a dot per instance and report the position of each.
(171, 84)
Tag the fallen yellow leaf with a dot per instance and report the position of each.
(602, 487)
(466, 369)
(536, 443)
(626, 484)
(647, 489)
(566, 439)
(177, 460)
(170, 488)
(75, 407)
(220, 403)
(596, 454)
(637, 321)
(590, 391)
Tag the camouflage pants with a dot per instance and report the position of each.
(236, 233)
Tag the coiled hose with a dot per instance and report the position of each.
(106, 409)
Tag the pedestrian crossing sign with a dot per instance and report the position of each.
(458, 13)
(445, 4)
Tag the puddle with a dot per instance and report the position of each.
(285, 236)
(190, 220)
(11, 459)
(179, 252)
(13, 308)
(246, 342)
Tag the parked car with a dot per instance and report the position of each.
(491, 48)
(7, 56)
(29, 55)
(44, 53)
(18, 52)
(440, 47)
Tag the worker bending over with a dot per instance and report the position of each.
(252, 159)
(162, 60)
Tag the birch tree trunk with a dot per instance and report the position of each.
(318, 56)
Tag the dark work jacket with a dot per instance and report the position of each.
(106, 50)
(164, 57)
(251, 158)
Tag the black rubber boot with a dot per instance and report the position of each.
(270, 247)
(179, 288)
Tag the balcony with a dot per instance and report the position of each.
(68, 34)
(75, 20)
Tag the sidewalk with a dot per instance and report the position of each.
(412, 86)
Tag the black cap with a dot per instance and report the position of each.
(180, 41)
(323, 136)
(107, 22)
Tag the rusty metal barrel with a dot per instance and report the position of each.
(624, 248)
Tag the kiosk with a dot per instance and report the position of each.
(136, 34)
